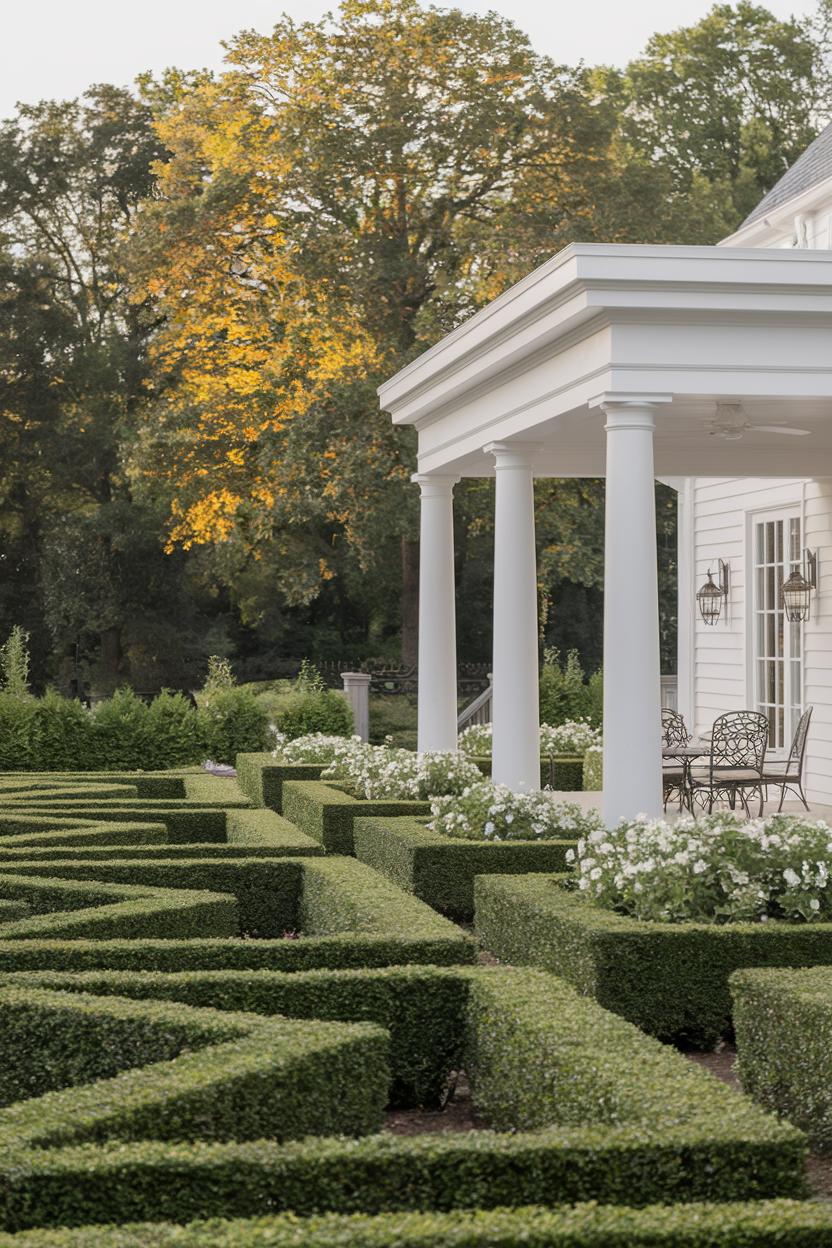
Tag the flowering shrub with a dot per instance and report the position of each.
(315, 747)
(575, 736)
(384, 773)
(492, 812)
(718, 869)
(476, 740)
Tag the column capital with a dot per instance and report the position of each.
(434, 485)
(512, 454)
(628, 410)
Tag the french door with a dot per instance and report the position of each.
(777, 643)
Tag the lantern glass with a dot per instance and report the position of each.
(710, 598)
(797, 597)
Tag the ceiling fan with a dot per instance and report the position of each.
(730, 423)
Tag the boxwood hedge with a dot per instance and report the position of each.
(441, 869)
(783, 1025)
(589, 1108)
(327, 813)
(261, 777)
(789, 1224)
(669, 978)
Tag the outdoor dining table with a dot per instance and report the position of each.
(686, 752)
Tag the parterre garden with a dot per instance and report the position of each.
(220, 1000)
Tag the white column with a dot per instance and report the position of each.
(516, 709)
(632, 685)
(437, 615)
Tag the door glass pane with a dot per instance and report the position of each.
(777, 668)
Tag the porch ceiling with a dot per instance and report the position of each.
(691, 326)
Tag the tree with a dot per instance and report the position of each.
(345, 193)
(71, 177)
(733, 99)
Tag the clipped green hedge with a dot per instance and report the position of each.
(344, 914)
(763, 1224)
(97, 1069)
(423, 1008)
(261, 777)
(589, 1108)
(783, 1025)
(266, 889)
(441, 869)
(594, 769)
(563, 772)
(327, 813)
(669, 978)
(70, 910)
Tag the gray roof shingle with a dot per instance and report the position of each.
(815, 165)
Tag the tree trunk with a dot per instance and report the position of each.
(410, 601)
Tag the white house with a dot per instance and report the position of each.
(633, 362)
(753, 657)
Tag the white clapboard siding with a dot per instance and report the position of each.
(722, 511)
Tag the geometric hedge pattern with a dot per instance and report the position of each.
(204, 1015)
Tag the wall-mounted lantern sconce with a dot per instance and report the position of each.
(797, 589)
(711, 597)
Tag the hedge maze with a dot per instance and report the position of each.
(207, 1017)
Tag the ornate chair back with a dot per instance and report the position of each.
(739, 739)
(674, 731)
(794, 764)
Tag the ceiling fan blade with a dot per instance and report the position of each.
(787, 429)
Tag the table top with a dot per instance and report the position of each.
(697, 748)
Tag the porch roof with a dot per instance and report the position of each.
(686, 327)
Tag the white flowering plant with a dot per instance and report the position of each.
(492, 812)
(315, 747)
(384, 773)
(574, 736)
(722, 868)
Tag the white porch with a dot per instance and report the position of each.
(606, 361)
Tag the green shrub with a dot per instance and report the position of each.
(563, 694)
(441, 870)
(173, 732)
(233, 722)
(327, 813)
(783, 1025)
(789, 1224)
(321, 710)
(622, 1119)
(61, 733)
(593, 772)
(165, 1072)
(423, 1008)
(118, 736)
(261, 776)
(14, 663)
(669, 978)
(17, 715)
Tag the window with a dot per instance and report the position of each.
(778, 680)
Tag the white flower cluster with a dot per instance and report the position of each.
(384, 773)
(315, 747)
(718, 869)
(492, 812)
(574, 736)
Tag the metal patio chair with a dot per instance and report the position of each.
(737, 759)
(674, 771)
(789, 774)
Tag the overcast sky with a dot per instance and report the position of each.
(56, 48)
